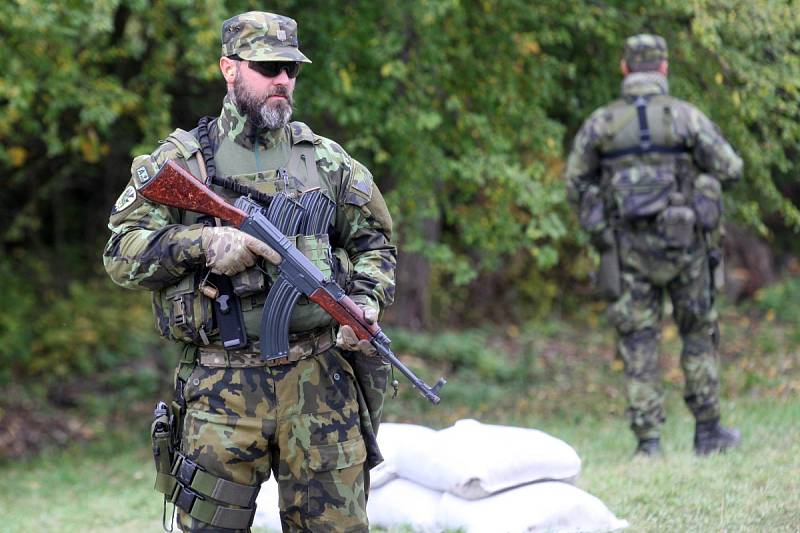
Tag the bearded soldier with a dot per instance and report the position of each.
(309, 418)
(646, 172)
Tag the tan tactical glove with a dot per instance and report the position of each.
(230, 251)
(346, 339)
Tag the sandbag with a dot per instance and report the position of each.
(550, 506)
(392, 440)
(473, 460)
(267, 513)
(403, 503)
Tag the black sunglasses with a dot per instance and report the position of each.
(271, 69)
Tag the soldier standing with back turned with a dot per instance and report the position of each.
(646, 172)
(308, 418)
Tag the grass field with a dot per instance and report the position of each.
(557, 378)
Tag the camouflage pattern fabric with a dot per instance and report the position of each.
(299, 422)
(649, 271)
(260, 36)
(650, 264)
(644, 52)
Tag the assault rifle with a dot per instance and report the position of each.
(175, 187)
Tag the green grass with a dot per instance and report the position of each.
(560, 378)
(755, 488)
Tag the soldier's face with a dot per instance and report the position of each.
(265, 100)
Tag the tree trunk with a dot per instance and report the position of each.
(750, 263)
(411, 308)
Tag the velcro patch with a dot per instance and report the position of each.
(144, 177)
(143, 169)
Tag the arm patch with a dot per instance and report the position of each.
(143, 169)
(359, 191)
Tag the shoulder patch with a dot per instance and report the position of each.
(125, 199)
(359, 192)
(143, 169)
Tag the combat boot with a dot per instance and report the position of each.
(711, 437)
(648, 448)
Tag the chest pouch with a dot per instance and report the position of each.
(318, 249)
(642, 191)
(248, 282)
(707, 202)
(676, 223)
(182, 312)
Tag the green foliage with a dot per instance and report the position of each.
(463, 109)
(66, 328)
(780, 301)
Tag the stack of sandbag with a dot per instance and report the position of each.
(481, 478)
(267, 513)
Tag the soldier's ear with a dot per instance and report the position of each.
(663, 68)
(228, 68)
(623, 67)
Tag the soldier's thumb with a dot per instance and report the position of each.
(263, 249)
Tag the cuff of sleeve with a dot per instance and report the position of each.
(191, 235)
(363, 300)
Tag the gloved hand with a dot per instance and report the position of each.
(230, 251)
(346, 339)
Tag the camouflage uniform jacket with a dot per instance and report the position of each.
(152, 246)
(698, 144)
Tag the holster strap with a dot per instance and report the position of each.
(214, 514)
(218, 357)
(195, 477)
(207, 497)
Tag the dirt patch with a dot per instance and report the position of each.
(25, 430)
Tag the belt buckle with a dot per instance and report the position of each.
(186, 498)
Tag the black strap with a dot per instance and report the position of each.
(653, 149)
(644, 127)
(208, 149)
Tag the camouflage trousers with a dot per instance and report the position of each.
(299, 421)
(637, 315)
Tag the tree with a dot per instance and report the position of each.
(462, 109)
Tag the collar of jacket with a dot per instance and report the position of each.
(644, 84)
(235, 126)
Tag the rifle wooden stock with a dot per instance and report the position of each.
(345, 311)
(175, 187)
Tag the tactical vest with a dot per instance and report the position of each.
(290, 169)
(644, 164)
(649, 176)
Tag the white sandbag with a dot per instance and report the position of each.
(393, 439)
(550, 506)
(473, 460)
(267, 513)
(403, 503)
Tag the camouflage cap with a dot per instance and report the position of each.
(644, 52)
(261, 36)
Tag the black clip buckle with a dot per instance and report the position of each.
(186, 499)
(186, 472)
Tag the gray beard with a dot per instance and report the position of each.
(259, 111)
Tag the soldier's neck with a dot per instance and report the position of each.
(644, 84)
(242, 131)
